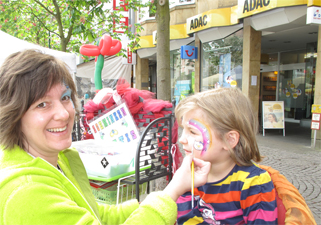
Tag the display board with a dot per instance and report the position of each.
(115, 125)
(273, 115)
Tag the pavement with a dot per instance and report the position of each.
(294, 157)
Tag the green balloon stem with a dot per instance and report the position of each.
(98, 70)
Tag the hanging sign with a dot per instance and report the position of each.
(121, 5)
(131, 58)
(188, 52)
(313, 15)
(316, 108)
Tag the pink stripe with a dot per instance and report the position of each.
(228, 214)
(184, 199)
(263, 215)
(182, 213)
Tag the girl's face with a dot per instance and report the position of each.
(48, 123)
(199, 136)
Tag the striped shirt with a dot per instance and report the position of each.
(245, 196)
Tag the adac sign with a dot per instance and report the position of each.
(251, 7)
(211, 18)
(188, 52)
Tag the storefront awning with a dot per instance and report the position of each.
(217, 33)
(174, 44)
(277, 17)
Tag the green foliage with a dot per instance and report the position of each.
(65, 25)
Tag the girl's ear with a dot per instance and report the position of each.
(232, 138)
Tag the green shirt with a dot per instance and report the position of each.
(34, 192)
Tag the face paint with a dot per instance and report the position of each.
(205, 131)
(68, 93)
(198, 145)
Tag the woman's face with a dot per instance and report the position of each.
(48, 123)
(270, 118)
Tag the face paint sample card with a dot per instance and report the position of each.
(115, 125)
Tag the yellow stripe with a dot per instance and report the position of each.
(239, 176)
(242, 176)
(257, 180)
(178, 31)
(284, 3)
(146, 42)
(194, 220)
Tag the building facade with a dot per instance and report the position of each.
(267, 48)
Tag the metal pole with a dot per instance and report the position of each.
(315, 138)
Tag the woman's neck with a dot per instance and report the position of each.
(52, 159)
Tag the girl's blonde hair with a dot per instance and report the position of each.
(227, 109)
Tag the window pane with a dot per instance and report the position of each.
(222, 62)
(182, 75)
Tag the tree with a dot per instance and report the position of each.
(65, 24)
(163, 50)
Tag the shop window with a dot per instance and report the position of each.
(182, 75)
(222, 62)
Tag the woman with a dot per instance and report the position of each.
(272, 121)
(42, 181)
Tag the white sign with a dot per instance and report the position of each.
(273, 114)
(314, 15)
(130, 60)
(115, 125)
(316, 116)
(315, 125)
(253, 80)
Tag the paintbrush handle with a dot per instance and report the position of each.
(192, 170)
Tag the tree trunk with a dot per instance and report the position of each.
(163, 52)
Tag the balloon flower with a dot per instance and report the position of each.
(106, 46)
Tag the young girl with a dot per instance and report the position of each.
(219, 126)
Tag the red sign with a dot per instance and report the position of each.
(129, 56)
(121, 5)
(315, 123)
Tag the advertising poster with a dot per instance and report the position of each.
(225, 70)
(182, 89)
(116, 125)
(273, 114)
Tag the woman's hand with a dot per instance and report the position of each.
(182, 180)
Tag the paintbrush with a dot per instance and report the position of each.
(198, 145)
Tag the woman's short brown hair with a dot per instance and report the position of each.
(25, 77)
(227, 109)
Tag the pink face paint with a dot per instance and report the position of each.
(206, 135)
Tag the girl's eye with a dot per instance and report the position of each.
(42, 105)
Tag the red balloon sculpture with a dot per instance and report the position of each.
(107, 46)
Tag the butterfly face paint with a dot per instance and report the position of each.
(206, 135)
